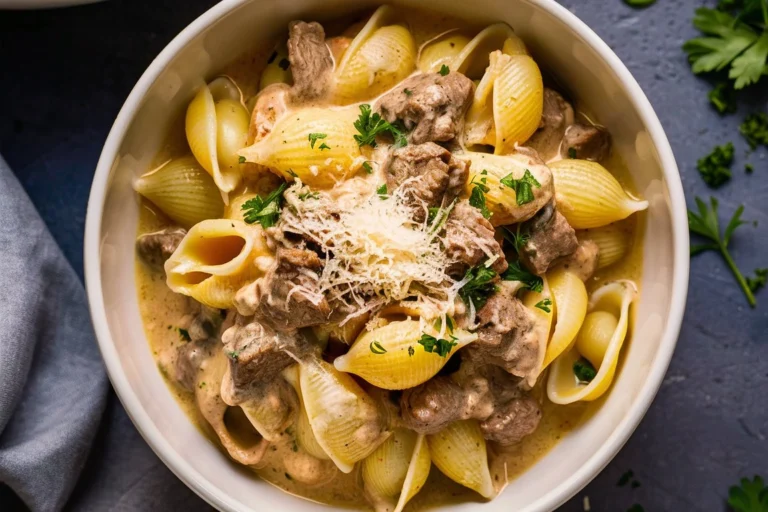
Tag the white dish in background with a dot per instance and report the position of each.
(564, 46)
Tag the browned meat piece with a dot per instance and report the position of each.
(586, 142)
(469, 240)
(584, 260)
(506, 335)
(156, 248)
(433, 173)
(310, 58)
(189, 357)
(556, 117)
(551, 238)
(432, 406)
(433, 108)
(513, 420)
(287, 297)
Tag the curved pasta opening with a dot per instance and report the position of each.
(216, 251)
(193, 278)
(240, 429)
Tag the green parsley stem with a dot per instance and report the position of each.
(738, 276)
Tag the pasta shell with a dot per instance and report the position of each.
(288, 149)
(542, 307)
(473, 59)
(343, 417)
(569, 297)
(518, 100)
(304, 435)
(513, 45)
(602, 337)
(397, 470)
(441, 51)
(500, 199)
(215, 259)
(390, 357)
(217, 126)
(183, 191)
(613, 241)
(277, 70)
(271, 410)
(381, 55)
(459, 451)
(589, 196)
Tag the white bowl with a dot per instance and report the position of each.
(565, 46)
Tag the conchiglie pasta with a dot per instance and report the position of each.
(397, 470)
(473, 59)
(344, 420)
(215, 259)
(441, 51)
(500, 199)
(183, 191)
(272, 409)
(600, 340)
(289, 150)
(459, 451)
(569, 301)
(390, 357)
(277, 70)
(589, 196)
(613, 241)
(217, 126)
(304, 436)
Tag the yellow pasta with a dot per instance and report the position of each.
(215, 259)
(271, 410)
(391, 357)
(318, 162)
(277, 70)
(541, 304)
(569, 298)
(441, 52)
(613, 241)
(305, 437)
(183, 191)
(473, 59)
(459, 451)
(589, 196)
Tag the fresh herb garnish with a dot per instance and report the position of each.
(477, 196)
(444, 70)
(480, 286)
(755, 129)
(408, 92)
(523, 187)
(264, 211)
(639, 4)
(750, 496)
(449, 325)
(367, 167)
(309, 195)
(723, 98)
(201, 385)
(545, 305)
(241, 160)
(370, 124)
(382, 191)
(313, 137)
(411, 351)
(233, 354)
(759, 281)
(377, 349)
(715, 167)
(515, 238)
(432, 212)
(584, 370)
(707, 224)
(516, 273)
(437, 346)
(437, 217)
(324, 146)
(292, 173)
(572, 153)
(184, 334)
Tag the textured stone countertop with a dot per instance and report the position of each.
(65, 74)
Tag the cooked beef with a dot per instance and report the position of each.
(511, 421)
(189, 357)
(556, 117)
(287, 297)
(430, 407)
(310, 58)
(506, 334)
(587, 142)
(433, 176)
(270, 105)
(155, 248)
(584, 260)
(469, 240)
(551, 238)
(433, 109)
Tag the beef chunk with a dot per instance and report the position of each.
(287, 297)
(310, 58)
(551, 238)
(436, 177)
(506, 335)
(432, 406)
(155, 248)
(189, 357)
(556, 117)
(587, 141)
(434, 109)
(512, 420)
(584, 260)
(469, 239)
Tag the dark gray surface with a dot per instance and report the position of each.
(64, 75)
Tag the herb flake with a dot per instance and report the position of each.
(523, 187)
(314, 137)
(517, 273)
(265, 211)
(584, 370)
(437, 346)
(370, 124)
(755, 129)
(715, 167)
(477, 196)
(545, 305)
(377, 349)
(480, 286)
(444, 70)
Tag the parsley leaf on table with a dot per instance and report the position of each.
(750, 496)
(715, 167)
(723, 98)
(755, 130)
(639, 4)
(264, 211)
(759, 281)
(370, 124)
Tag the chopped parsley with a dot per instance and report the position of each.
(370, 124)
(408, 92)
(184, 334)
(480, 286)
(284, 64)
(572, 153)
(264, 211)
(515, 238)
(749, 496)
(411, 351)
(759, 281)
(367, 167)
(449, 325)
(516, 273)
(292, 173)
(233, 354)
(313, 138)
(545, 305)
(477, 196)
(437, 217)
(755, 128)
(444, 70)
(324, 146)
(749, 168)
(584, 370)
(715, 167)
(523, 187)
(639, 4)
(437, 346)
(201, 385)
(382, 191)
(241, 160)
(377, 349)
(723, 98)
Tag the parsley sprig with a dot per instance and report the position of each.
(477, 196)
(370, 124)
(481, 285)
(264, 211)
(523, 187)
(438, 346)
(750, 496)
(515, 272)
